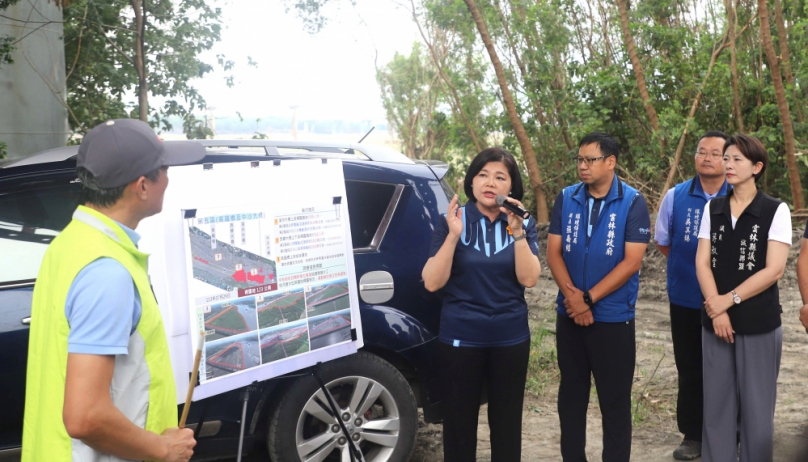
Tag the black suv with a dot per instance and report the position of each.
(394, 204)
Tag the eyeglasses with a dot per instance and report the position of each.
(714, 155)
(589, 160)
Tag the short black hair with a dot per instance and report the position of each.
(494, 155)
(751, 148)
(714, 134)
(92, 193)
(609, 146)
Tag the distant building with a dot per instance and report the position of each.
(32, 89)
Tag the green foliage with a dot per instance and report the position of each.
(100, 41)
(312, 12)
(542, 369)
(6, 48)
(567, 65)
(6, 42)
(410, 97)
(3, 150)
(196, 129)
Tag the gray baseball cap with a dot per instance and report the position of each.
(120, 151)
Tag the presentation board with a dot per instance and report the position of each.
(258, 256)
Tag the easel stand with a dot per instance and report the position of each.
(245, 398)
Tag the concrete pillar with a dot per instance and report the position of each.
(33, 115)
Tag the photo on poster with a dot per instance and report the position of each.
(282, 308)
(231, 354)
(330, 329)
(226, 252)
(328, 298)
(284, 341)
(228, 318)
(258, 263)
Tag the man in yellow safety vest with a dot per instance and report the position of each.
(100, 386)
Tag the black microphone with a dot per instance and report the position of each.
(502, 201)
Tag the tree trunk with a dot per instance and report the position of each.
(140, 59)
(653, 118)
(782, 105)
(680, 147)
(457, 102)
(522, 69)
(519, 129)
(782, 35)
(638, 72)
(531, 39)
(759, 93)
(732, 20)
(607, 52)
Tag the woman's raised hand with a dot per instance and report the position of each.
(454, 218)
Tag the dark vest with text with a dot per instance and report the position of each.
(736, 255)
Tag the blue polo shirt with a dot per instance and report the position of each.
(103, 307)
(484, 303)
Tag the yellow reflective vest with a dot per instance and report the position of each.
(143, 381)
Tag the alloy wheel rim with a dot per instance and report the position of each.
(368, 411)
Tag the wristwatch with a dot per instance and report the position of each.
(520, 237)
(736, 298)
(588, 299)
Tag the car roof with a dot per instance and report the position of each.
(270, 148)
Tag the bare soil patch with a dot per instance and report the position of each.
(655, 433)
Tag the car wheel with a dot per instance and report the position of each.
(374, 401)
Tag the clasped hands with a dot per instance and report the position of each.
(576, 307)
(717, 306)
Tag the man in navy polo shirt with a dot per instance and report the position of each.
(598, 234)
(676, 234)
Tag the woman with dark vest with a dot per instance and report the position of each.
(744, 242)
(483, 256)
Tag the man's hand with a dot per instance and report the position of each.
(574, 303)
(718, 304)
(585, 319)
(804, 316)
(723, 328)
(179, 444)
(89, 415)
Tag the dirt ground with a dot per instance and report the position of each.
(655, 433)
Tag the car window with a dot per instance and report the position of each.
(29, 220)
(447, 190)
(443, 194)
(367, 203)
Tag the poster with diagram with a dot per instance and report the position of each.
(270, 281)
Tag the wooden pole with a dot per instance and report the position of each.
(192, 384)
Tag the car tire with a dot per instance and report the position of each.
(375, 403)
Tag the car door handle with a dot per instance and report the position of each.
(27, 321)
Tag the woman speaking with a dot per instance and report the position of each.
(483, 256)
(744, 241)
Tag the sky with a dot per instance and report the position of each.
(328, 75)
